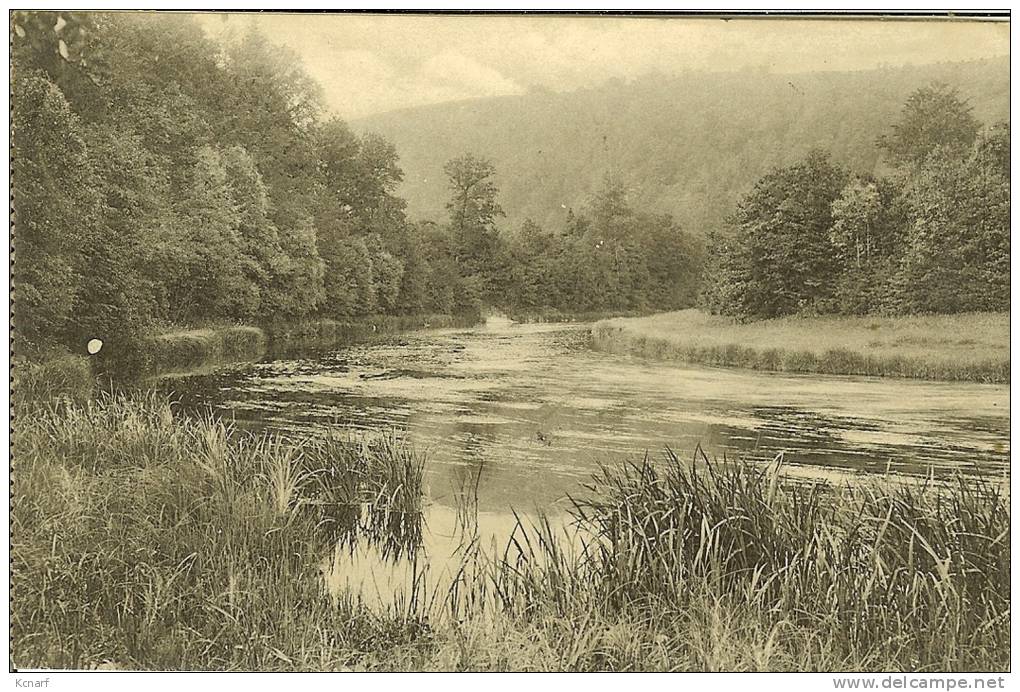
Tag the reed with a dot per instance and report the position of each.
(184, 349)
(67, 378)
(144, 540)
(732, 566)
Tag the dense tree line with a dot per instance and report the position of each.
(931, 236)
(163, 178)
(608, 256)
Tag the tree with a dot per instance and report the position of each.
(56, 210)
(473, 212)
(261, 253)
(297, 287)
(855, 216)
(214, 283)
(673, 261)
(414, 280)
(957, 252)
(359, 176)
(350, 282)
(868, 222)
(532, 255)
(270, 106)
(387, 273)
(124, 288)
(726, 271)
(934, 116)
(610, 225)
(782, 258)
(993, 149)
(378, 175)
(58, 44)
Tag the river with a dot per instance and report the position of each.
(529, 412)
(538, 411)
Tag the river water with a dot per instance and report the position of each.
(537, 411)
(529, 412)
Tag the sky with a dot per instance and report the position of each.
(370, 64)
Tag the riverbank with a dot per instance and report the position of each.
(967, 347)
(76, 378)
(548, 315)
(328, 332)
(179, 350)
(192, 348)
(67, 377)
(145, 540)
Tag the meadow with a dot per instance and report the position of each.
(965, 347)
(142, 539)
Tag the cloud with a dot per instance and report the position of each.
(352, 80)
(372, 63)
(459, 73)
(362, 82)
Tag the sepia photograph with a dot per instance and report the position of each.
(407, 341)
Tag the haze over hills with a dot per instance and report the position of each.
(689, 145)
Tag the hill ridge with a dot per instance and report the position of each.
(688, 144)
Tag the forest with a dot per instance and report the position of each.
(162, 179)
(255, 472)
(689, 144)
(931, 237)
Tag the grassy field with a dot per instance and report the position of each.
(969, 347)
(143, 540)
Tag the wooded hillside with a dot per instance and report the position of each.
(689, 145)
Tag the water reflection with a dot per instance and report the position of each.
(518, 416)
(540, 411)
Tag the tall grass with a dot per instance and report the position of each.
(184, 349)
(968, 347)
(733, 567)
(66, 378)
(875, 575)
(143, 540)
(149, 541)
